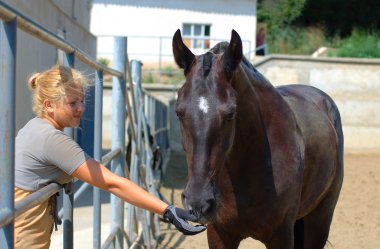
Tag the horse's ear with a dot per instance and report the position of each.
(233, 55)
(182, 55)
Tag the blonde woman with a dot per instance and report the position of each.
(45, 154)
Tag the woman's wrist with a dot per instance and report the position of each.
(163, 209)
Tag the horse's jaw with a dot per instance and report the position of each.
(204, 220)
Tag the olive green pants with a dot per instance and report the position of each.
(34, 227)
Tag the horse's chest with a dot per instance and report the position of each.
(251, 211)
(243, 222)
(236, 207)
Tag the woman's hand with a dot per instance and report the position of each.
(178, 217)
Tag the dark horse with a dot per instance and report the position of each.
(263, 162)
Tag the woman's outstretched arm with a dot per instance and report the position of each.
(99, 176)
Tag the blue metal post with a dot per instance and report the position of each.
(68, 198)
(85, 135)
(118, 133)
(160, 62)
(136, 78)
(98, 155)
(8, 31)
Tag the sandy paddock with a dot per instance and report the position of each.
(356, 221)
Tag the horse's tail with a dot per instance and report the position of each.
(299, 230)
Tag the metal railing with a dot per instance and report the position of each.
(141, 224)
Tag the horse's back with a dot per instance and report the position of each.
(319, 120)
(316, 97)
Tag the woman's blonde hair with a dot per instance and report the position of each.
(53, 84)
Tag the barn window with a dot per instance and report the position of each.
(196, 36)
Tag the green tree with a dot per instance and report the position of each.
(341, 17)
(278, 16)
(278, 13)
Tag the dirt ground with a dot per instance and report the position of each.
(356, 222)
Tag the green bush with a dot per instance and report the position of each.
(168, 71)
(360, 44)
(295, 40)
(104, 61)
(148, 78)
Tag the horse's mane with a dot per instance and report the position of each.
(221, 47)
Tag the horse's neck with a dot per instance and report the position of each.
(259, 104)
(250, 127)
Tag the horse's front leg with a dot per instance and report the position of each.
(221, 239)
(282, 237)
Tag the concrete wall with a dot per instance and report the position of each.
(77, 10)
(354, 84)
(34, 55)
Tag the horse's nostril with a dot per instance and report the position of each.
(209, 208)
(183, 196)
(185, 202)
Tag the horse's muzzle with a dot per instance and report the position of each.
(203, 208)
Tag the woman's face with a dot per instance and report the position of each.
(69, 111)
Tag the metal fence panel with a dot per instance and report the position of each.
(7, 125)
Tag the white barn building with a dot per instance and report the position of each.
(150, 25)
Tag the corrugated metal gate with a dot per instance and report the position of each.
(132, 105)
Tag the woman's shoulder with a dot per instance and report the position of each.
(38, 129)
(42, 126)
(37, 123)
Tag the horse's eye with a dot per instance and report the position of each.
(230, 116)
(180, 114)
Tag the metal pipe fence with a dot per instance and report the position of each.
(142, 225)
(7, 128)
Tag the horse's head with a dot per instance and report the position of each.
(206, 107)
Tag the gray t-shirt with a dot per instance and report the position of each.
(45, 155)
